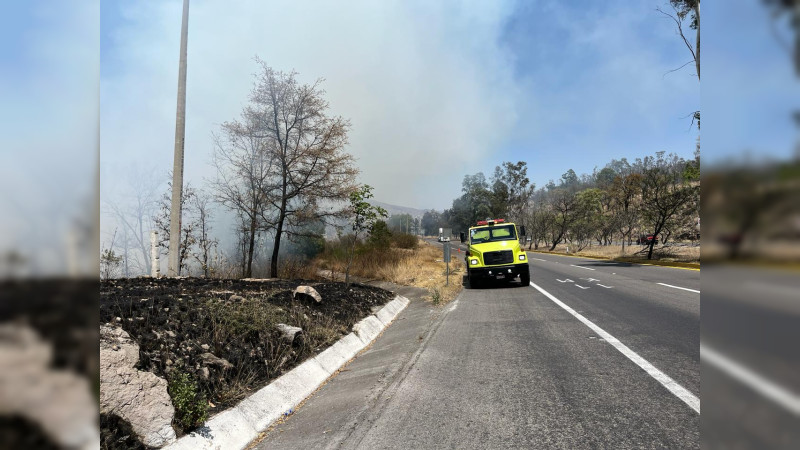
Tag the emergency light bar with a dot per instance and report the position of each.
(490, 221)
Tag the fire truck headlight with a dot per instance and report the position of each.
(522, 257)
(474, 262)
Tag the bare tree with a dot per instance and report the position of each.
(134, 213)
(625, 193)
(244, 167)
(205, 243)
(681, 10)
(563, 203)
(190, 223)
(306, 147)
(110, 260)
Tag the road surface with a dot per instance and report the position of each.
(591, 355)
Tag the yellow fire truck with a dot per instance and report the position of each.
(494, 253)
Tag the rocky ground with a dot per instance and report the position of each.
(223, 335)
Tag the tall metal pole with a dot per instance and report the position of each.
(173, 269)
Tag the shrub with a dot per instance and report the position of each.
(436, 296)
(379, 235)
(191, 407)
(405, 240)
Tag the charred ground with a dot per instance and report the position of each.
(222, 334)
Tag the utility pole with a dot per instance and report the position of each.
(177, 168)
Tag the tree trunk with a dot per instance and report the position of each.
(350, 261)
(273, 265)
(555, 243)
(697, 40)
(251, 246)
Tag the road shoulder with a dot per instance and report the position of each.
(357, 392)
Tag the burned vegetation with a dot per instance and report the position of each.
(216, 341)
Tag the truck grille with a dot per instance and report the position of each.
(501, 257)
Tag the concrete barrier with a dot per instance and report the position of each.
(368, 329)
(236, 427)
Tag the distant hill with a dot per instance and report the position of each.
(395, 209)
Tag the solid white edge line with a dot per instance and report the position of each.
(763, 386)
(678, 287)
(679, 391)
(581, 267)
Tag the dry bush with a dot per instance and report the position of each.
(297, 268)
(421, 266)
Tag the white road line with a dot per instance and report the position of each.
(540, 259)
(602, 285)
(581, 286)
(581, 267)
(778, 394)
(567, 280)
(671, 385)
(678, 287)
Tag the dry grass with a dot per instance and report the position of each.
(421, 267)
(681, 254)
(426, 269)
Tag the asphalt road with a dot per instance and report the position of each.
(751, 358)
(591, 355)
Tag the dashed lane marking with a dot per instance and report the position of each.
(678, 287)
(581, 267)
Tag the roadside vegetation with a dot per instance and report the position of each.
(397, 257)
(605, 212)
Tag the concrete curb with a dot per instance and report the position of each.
(236, 427)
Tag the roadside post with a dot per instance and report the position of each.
(447, 261)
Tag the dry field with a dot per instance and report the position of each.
(421, 267)
(670, 253)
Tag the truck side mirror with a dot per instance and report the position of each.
(462, 236)
(522, 230)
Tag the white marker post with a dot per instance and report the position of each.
(155, 264)
(446, 247)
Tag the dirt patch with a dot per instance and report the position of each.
(222, 335)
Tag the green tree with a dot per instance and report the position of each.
(665, 192)
(363, 216)
(380, 237)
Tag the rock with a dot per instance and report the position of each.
(139, 397)
(290, 334)
(204, 373)
(309, 291)
(205, 347)
(212, 360)
(236, 298)
(59, 401)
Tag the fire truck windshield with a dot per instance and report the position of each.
(492, 234)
